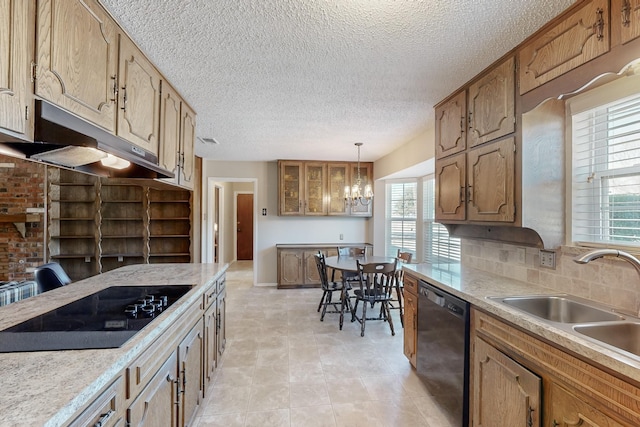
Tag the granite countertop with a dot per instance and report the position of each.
(48, 387)
(475, 285)
(319, 245)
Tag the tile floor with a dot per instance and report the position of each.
(283, 367)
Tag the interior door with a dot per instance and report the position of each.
(244, 230)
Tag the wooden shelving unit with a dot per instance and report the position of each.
(169, 226)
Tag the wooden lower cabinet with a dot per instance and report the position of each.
(513, 371)
(221, 338)
(410, 296)
(106, 410)
(210, 343)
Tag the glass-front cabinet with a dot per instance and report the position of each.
(315, 185)
(291, 188)
(338, 174)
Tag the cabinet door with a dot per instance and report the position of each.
(338, 177)
(311, 276)
(450, 188)
(77, 59)
(315, 175)
(291, 272)
(504, 393)
(630, 20)
(366, 178)
(450, 126)
(491, 182)
(492, 105)
(187, 140)
(291, 188)
(210, 343)
(566, 410)
(16, 47)
(222, 322)
(191, 374)
(139, 103)
(574, 41)
(169, 129)
(410, 326)
(156, 405)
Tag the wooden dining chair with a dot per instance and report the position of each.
(328, 288)
(376, 283)
(349, 251)
(398, 301)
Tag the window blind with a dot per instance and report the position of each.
(401, 217)
(606, 173)
(438, 246)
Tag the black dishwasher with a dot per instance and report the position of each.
(443, 350)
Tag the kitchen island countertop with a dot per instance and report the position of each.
(48, 387)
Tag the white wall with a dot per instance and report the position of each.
(273, 229)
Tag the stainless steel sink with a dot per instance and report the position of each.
(624, 336)
(561, 309)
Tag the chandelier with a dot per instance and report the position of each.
(356, 194)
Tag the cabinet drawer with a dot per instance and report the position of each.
(210, 295)
(106, 410)
(410, 284)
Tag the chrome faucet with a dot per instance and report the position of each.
(599, 253)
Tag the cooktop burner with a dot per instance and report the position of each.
(106, 319)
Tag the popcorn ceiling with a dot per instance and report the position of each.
(303, 79)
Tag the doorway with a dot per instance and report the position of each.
(244, 226)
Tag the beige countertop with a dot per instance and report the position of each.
(474, 286)
(48, 387)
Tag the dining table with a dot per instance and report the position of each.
(350, 264)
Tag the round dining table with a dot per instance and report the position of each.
(350, 264)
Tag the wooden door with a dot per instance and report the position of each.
(169, 130)
(187, 140)
(504, 392)
(574, 41)
(450, 188)
(210, 343)
(564, 409)
(139, 102)
(337, 179)
(492, 105)
(76, 52)
(291, 191)
(191, 374)
(630, 20)
(156, 405)
(451, 120)
(244, 230)
(16, 47)
(491, 177)
(315, 182)
(410, 326)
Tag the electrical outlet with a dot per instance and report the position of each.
(547, 259)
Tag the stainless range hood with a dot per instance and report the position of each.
(63, 139)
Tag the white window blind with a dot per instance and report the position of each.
(439, 248)
(606, 173)
(401, 217)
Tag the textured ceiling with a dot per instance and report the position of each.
(306, 79)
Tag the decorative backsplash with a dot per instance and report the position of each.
(606, 280)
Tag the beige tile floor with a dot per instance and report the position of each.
(283, 367)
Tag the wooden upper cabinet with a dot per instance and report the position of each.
(630, 11)
(77, 54)
(169, 129)
(16, 47)
(315, 184)
(187, 141)
(577, 39)
(491, 177)
(337, 179)
(139, 103)
(450, 126)
(291, 191)
(450, 188)
(491, 107)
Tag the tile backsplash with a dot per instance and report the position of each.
(606, 280)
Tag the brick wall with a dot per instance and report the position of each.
(22, 190)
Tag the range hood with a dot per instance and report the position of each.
(65, 140)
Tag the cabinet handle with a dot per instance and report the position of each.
(469, 118)
(555, 424)
(599, 25)
(184, 379)
(104, 418)
(470, 193)
(626, 13)
(530, 418)
(115, 89)
(462, 194)
(124, 99)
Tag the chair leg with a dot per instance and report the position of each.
(327, 301)
(386, 306)
(324, 294)
(364, 317)
(353, 311)
(400, 297)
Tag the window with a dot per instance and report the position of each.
(402, 217)
(439, 248)
(606, 173)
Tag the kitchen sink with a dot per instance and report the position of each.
(624, 336)
(560, 308)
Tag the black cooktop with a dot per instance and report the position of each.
(105, 319)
